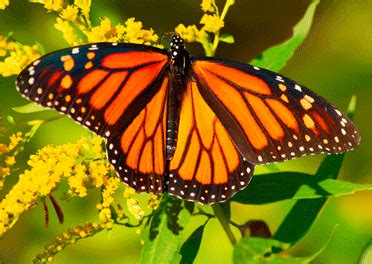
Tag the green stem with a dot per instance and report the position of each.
(216, 39)
(219, 213)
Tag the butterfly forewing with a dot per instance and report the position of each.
(270, 117)
(116, 90)
(97, 84)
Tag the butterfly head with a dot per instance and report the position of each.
(177, 44)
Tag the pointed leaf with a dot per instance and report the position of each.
(263, 250)
(275, 187)
(190, 248)
(227, 38)
(29, 108)
(276, 57)
(163, 236)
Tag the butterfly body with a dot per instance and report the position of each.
(194, 127)
(179, 72)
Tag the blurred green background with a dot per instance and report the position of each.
(334, 61)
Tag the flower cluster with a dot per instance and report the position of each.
(74, 23)
(48, 166)
(4, 4)
(212, 22)
(14, 56)
(8, 155)
(71, 236)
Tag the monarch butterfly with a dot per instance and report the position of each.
(194, 127)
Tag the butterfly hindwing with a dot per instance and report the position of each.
(206, 166)
(138, 152)
(270, 117)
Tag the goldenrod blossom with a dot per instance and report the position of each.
(191, 33)
(208, 5)
(47, 167)
(103, 32)
(135, 34)
(17, 56)
(70, 13)
(68, 32)
(71, 236)
(78, 181)
(212, 23)
(111, 185)
(4, 4)
(84, 5)
(51, 5)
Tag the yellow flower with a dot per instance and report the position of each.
(135, 209)
(212, 23)
(84, 5)
(135, 34)
(4, 4)
(3, 149)
(153, 202)
(191, 33)
(52, 5)
(78, 180)
(47, 167)
(67, 31)
(4, 171)
(105, 214)
(15, 139)
(19, 57)
(103, 32)
(208, 5)
(97, 146)
(70, 13)
(10, 160)
(98, 171)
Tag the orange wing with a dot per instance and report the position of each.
(102, 86)
(271, 118)
(116, 90)
(138, 154)
(206, 166)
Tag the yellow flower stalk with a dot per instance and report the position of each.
(47, 168)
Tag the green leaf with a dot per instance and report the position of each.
(29, 108)
(275, 187)
(190, 248)
(303, 214)
(276, 57)
(163, 235)
(272, 167)
(227, 38)
(366, 256)
(263, 250)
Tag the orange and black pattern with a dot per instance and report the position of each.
(226, 116)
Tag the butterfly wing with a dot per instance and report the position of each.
(269, 117)
(206, 166)
(116, 90)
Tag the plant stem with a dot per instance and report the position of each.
(219, 213)
(216, 39)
